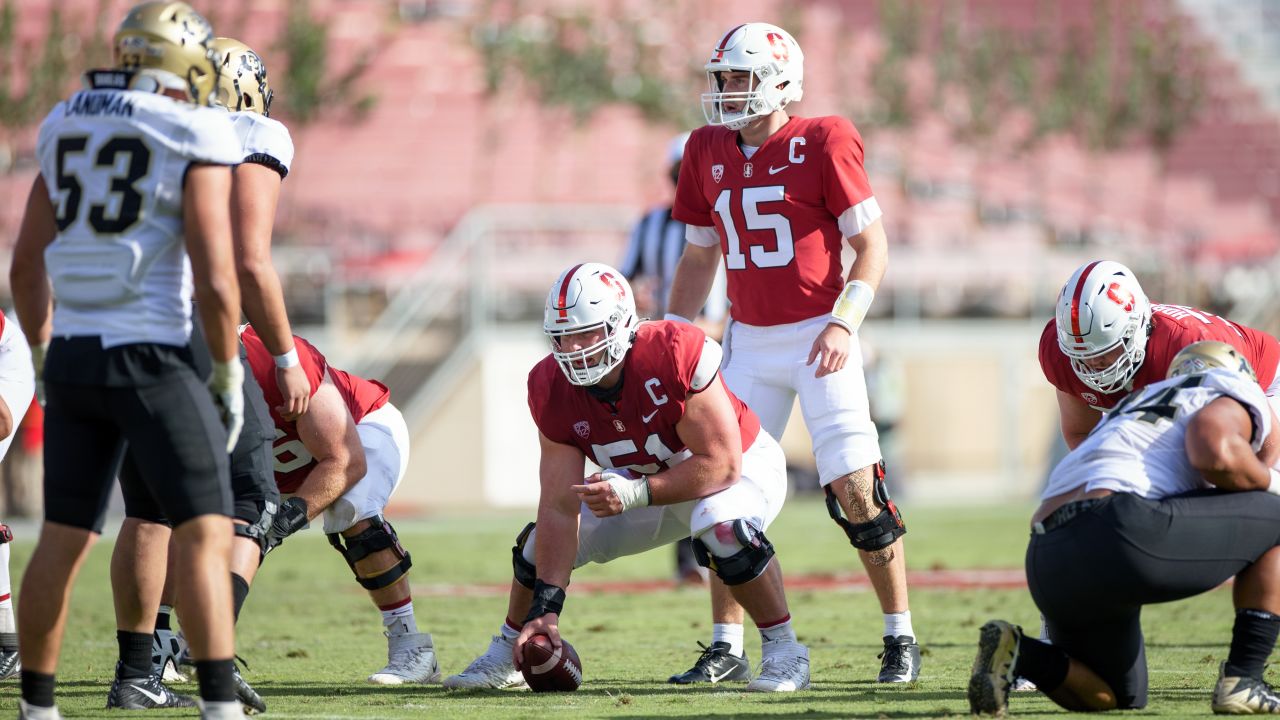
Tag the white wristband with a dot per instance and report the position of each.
(287, 360)
(227, 376)
(677, 318)
(1274, 489)
(851, 307)
(631, 493)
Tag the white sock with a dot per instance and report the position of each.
(211, 710)
(778, 631)
(509, 631)
(398, 618)
(896, 624)
(731, 633)
(6, 600)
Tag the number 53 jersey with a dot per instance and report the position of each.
(114, 162)
(781, 215)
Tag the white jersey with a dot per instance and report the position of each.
(264, 141)
(114, 162)
(1139, 446)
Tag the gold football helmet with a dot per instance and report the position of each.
(1209, 354)
(169, 43)
(242, 78)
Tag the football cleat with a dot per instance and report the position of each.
(717, 663)
(1244, 695)
(35, 712)
(248, 697)
(10, 664)
(167, 651)
(1023, 685)
(784, 667)
(411, 658)
(992, 674)
(494, 669)
(144, 693)
(900, 660)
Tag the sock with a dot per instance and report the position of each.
(510, 629)
(6, 599)
(217, 680)
(398, 617)
(1041, 663)
(731, 633)
(1252, 639)
(898, 624)
(135, 654)
(162, 617)
(239, 593)
(779, 629)
(37, 688)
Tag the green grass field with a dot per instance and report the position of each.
(311, 635)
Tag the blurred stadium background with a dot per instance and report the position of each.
(454, 155)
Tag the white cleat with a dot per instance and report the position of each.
(495, 669)
(411, 658)
(784, 667)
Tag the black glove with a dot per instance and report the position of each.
(289, 519)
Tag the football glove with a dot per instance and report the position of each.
(226, 384)
(289, 519)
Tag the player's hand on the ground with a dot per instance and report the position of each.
(599, 496)
(832, 344)
(289, 519)
(296, 391)
(227, 386)
(548, 625)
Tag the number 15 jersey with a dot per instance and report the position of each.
(781, 215)
(114, 162)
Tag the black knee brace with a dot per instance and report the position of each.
(879, 532)
(743, 566)
(257, 532)
(6, 535)
(526, 574)
(378, 536)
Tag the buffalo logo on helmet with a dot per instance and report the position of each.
(583, 428)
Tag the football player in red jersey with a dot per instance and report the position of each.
(342, 458)
(778, 197)
(1107, 339)
(17, 385)
(680, 456)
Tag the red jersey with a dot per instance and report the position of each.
(1173, 328)
(637, 430)
(777, 214)
(292, 459)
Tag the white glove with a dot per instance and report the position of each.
(227, 384)
(37, 363)
(631, 493)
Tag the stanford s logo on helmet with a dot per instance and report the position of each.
(1209, 354)
(590, 297)
(1103, 319)
(776, 65)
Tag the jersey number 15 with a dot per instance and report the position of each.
(751, 198)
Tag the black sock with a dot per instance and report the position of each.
(37, 688)
(217, 681)
(1252, 639)
(1041, 663)
(239, 591)
(135, 654)
(9, 641)
(162, 618)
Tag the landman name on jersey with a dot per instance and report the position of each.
(99, 103)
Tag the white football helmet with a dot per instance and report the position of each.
(776, 65)
(1102, 309)
(586, 297)
(1208, 354)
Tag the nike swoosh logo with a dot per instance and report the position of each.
(648, 417)
(155, 697)
(774, 171)
(721, 676)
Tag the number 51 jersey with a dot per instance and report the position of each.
(114, 162)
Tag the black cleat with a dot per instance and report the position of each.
(248, 697)
(144, 693)
(900, 660)
(715, 664)
(10, 664)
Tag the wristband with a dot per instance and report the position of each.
(632, 493)
(851, 307)
(677, 318)
(287, 360)
(1274, 488)
(547, 599)
(227, 376)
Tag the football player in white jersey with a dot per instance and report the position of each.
(128, 217)
(17, 384)
(1167, 498)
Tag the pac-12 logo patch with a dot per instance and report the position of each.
(583, 428)
(717, 172)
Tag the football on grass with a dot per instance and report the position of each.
(547, 669)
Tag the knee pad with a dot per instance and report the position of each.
(378, 536)
(735, 550)
(877, 533)
(6, 535)
(257, 531)
(526, 574)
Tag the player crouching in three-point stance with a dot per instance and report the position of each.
(1166, 499)
(681, 456)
